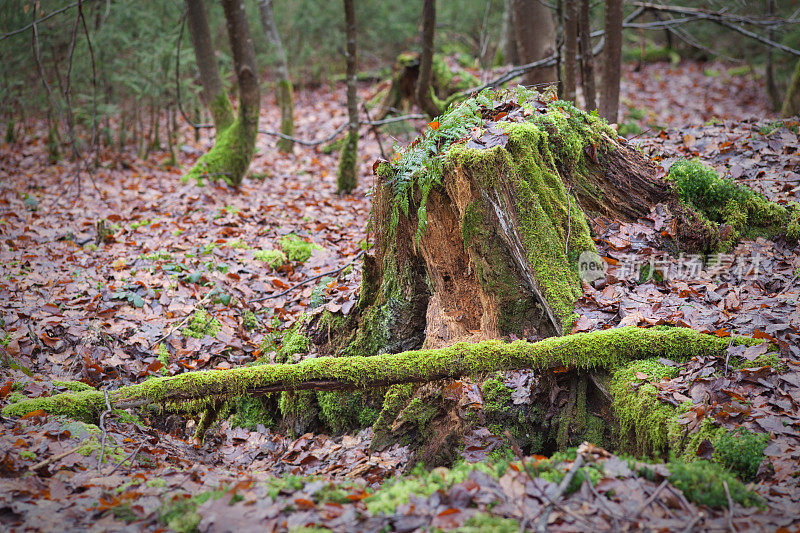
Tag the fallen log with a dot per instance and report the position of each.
(195, 391)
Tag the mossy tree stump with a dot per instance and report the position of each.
(481, 231)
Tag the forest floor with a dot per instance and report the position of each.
(114, 312)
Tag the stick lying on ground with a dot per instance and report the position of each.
(599, 349)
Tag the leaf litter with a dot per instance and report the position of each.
(111, 313)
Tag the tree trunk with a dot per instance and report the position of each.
(772, 87)
(587, 58)
(535, 34)
(791, 103)
(570, 48)
(234, 146)
(508, 41)
(347, 179)
(612, 61)
(214, 96)
(284, 93)
(423, 90)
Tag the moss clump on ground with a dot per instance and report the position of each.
(296, 248)
(202, 324)
(293, 343)
(274, 258)
(702, 483)
(723, 201)
(741, 452)
(419, 481)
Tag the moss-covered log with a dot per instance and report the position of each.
(602, 349)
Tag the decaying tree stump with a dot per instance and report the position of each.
(481, 233)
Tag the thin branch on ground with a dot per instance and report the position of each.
(182, 322)
(57, 457)
(104, 429)
(541, 527)
(309, 280)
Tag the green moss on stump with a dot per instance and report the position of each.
(723, 201)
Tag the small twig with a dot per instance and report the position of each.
(562, 487)
(695, 519)
(648, 501)
(309, 280)
(56, 457)
(105, 431)
(599, 499)
(129, 456)
(375, 131)
(730, 506)
(727, 357)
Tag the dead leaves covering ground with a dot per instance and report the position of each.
(71, 312)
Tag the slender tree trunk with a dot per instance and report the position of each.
(213, 94)
(535, 34)
(587, 59)
(347, 178)
(508, 40)
(235, 142)
(772, 87)
(284, 92)
(791, 103)
(570, 48)
(612, 63)
(423, 92)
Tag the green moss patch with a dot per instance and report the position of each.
(202, 324)
(274, 258)
(723, 201)
(296, 248)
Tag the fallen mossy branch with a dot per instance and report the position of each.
(598, 349)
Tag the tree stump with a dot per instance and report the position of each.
(482, 233)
